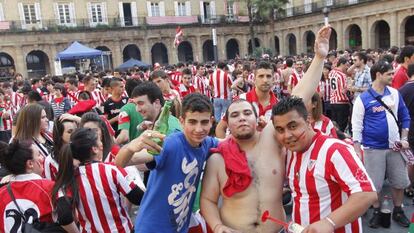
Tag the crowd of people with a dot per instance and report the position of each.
(326, 129)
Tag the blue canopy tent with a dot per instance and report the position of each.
(131, 63)
(79, 51)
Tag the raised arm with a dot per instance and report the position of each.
(308, 84)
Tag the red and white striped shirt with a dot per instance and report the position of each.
(16, 101)
(51, 168)
(72, 96)
(184, 90)
(176, 78)
(174, 94)
(322, 178)
(294, 78)
(220, 81)
(96, 95)
(327, 92)
(326, 127)
(338, 87)
(6, 122)
(201, 85)
(100, 206)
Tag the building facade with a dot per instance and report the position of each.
(34, 31)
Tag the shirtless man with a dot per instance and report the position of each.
(242, 207)
(286, 73)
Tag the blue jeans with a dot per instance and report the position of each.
(220, 107)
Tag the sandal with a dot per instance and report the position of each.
(409, 192)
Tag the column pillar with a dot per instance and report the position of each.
(172, 52)
(198, 50)
(117, 55)
(146, 53)
(299, 42)
(20, 62)
(282, 43)
(395, 33)
(340, 35)
(244, 45)
(368, 40)
(53, 53)
(221, 47)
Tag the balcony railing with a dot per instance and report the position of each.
(317, 6)
(53, 25)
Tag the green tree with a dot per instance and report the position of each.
(263, 10)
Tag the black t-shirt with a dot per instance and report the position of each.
(112, 109)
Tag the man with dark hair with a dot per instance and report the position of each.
(296, 75)
(160, 78)
(220, 83)
(406, 58)
(375, 118)
(261, 97)
(248, 168)
(186, 86)
(129, 118)
(176, 171)
(329, 184)
(286, 73)
(112, 106)
(362, 78)
(339, 100)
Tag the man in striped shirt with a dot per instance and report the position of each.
(221, 82)
(330, 186)
(296, 75)
(339, 100)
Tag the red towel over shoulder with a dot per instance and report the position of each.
(237, 168)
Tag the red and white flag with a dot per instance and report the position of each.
(178, 36)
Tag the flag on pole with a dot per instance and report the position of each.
(178, 36)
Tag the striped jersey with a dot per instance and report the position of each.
(326, 127)
(6, 122)
(294, 78)
(100, 206)
(338, 87)
(327, 90)
(201, 84)
(220, 82)
(322, 178)
(50, 168)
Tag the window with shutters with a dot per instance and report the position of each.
(29, 13)
(181, 9)
(96, 11)
(64, 13)
(155, 9)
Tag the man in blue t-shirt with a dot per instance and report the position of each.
(176, 171)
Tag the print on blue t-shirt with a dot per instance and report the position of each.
(172, 186)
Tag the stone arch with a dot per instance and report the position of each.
(256, 44)
(277, 45)
(232, 48)
(208, 51)
(291, 44)
(185, 52)
(380, 34)
(407, 30)
(131, 51)
(6, 64)
(309, 41)
(107, 57)
(37, 63)
(333, 41)
(353, 37)
(159, 53)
